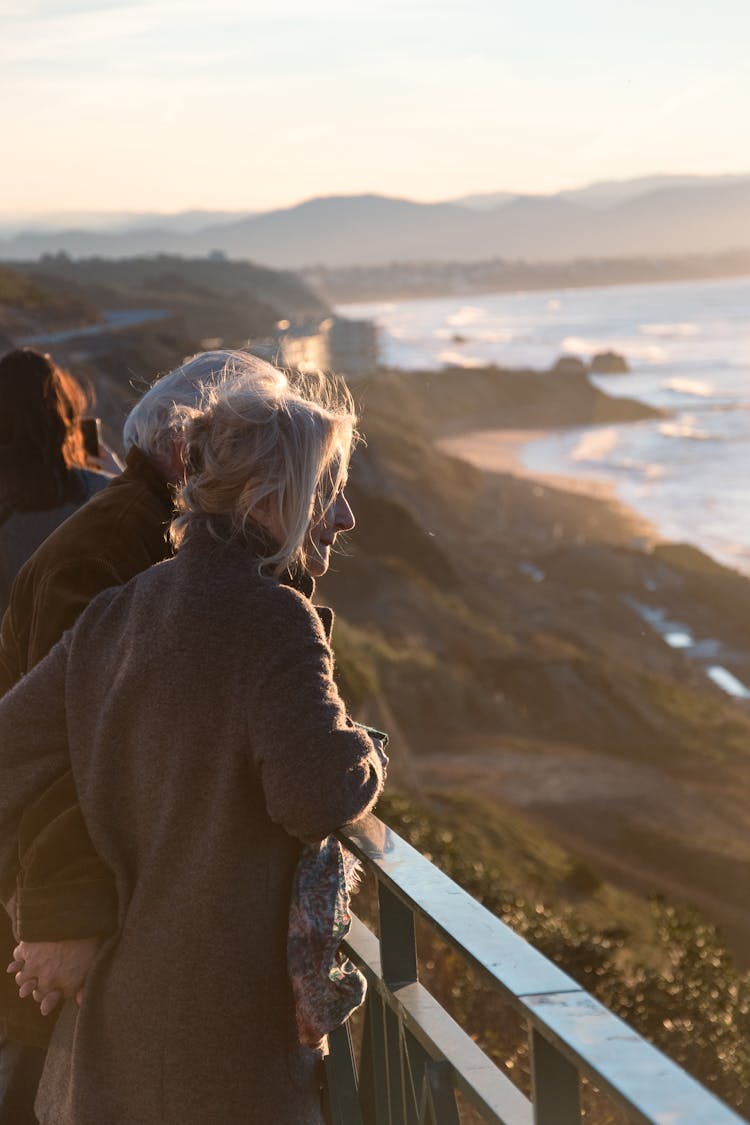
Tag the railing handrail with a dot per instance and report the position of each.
(581, 1036)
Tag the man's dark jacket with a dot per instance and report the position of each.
(65, 891)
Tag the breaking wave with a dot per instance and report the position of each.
(697, 387)
(467, 314)
(685, 428)
(671, 331)
(595, 446)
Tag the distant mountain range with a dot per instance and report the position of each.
(659, 216)
(186, 222)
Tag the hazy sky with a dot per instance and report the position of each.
(237, 104)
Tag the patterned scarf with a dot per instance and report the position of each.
(327, 987)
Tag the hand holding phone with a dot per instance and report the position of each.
(91, 429)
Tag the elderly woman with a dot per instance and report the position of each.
(44, 473)
(197, 709)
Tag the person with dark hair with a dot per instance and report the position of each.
(44, 473)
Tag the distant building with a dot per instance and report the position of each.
(352, 345)
(347, 347)
(303, 347)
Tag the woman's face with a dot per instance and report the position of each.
(322, 534)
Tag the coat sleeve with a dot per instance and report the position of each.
(33, 752)
(43, 604)
(61, 597)
(63, 889)
(318, 770)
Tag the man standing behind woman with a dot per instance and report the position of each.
(197, 709)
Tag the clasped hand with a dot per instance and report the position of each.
(51, 970)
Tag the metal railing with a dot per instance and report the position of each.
(414, 1058)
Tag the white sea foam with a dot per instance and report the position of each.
(697, 387)
(684, 428)
(596, 445)
(467, 314)
(580, 345)
(686, 343)
(631, 349)
(459, 359)
(672, 331)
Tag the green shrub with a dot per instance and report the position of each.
(679, 987)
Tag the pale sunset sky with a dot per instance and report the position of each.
(167, 105)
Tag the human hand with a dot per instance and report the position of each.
(51, 970)
(107, 461)
(380, 745)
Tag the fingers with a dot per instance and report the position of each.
(23, 975)
(47, 1001)
(51, 971)
(50, 1001)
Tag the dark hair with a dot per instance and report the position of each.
(40, 438)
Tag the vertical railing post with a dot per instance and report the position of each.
(442, 1108)
(554, 1085)
(373, 1072)
(398, 959)
(341, 1103)
(398, 940)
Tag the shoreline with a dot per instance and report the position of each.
(499, 451)
(393, 294)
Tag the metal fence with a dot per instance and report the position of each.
(414, 1057)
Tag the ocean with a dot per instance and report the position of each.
(688, 347)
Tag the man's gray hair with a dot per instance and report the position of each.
(154, 425)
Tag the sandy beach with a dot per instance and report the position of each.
(499, 451)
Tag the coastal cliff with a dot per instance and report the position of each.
(503, 621)
(551, 750)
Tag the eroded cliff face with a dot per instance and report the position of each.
(505, 626)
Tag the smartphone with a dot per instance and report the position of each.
(91, 429)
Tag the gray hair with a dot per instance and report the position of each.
(263, 451)
(156, 422)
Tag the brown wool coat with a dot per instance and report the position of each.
(65, 890)
(206, 736)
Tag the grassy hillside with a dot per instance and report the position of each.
(657, 965)
(206, 300)
(458, 399)
(491, 620)
(210, 297)
(28, 306)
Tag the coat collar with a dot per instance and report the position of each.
(139, 468)
(218, 531)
